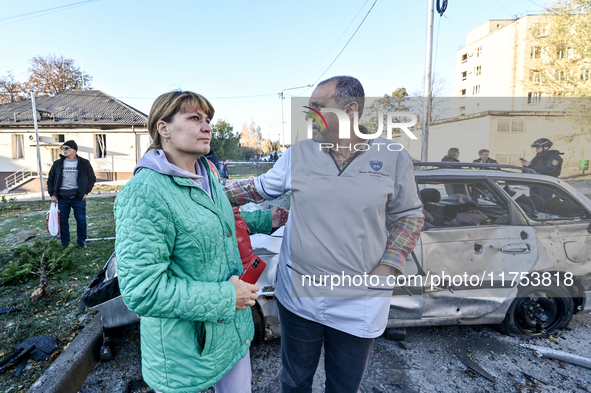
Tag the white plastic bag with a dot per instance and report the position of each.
(53, 220)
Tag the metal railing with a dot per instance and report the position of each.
(18, 177)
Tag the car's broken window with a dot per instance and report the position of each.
(543, 201)
(452, 203)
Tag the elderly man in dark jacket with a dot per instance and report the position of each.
(71, 179)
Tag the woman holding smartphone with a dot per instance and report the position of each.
(177, 257)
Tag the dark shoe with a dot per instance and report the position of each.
(65, 245)
(106, 354)
(395, 334)
(82, 245)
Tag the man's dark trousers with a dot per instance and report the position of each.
(345, 356)
(79, 207)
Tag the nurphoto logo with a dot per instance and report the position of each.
(344, 123)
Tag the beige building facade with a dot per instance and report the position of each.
(109, 133)
(497, 103)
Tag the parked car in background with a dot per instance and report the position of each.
(498, 247)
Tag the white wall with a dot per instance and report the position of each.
(121, 149)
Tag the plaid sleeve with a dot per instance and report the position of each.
(402, 239)
(241, 192)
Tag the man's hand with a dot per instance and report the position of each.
(246, 293)
(525, 163)
(84, 197)
(384, 270)
(279, 216)
(54, 199)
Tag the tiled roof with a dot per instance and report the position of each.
(74, 107)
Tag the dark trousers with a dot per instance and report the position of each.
(79, 207)
(345, 356)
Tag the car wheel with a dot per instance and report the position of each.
(259, 324)
(538, 311)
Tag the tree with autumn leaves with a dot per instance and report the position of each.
(48, 75)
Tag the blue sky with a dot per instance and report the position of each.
(137, 50)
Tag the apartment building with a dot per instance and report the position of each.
(507, 96)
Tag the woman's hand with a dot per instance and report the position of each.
(246, 293)
(279, 216)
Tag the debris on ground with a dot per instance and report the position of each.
(36, 348)
(560, 355)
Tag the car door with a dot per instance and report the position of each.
(561, 222)
(476, 255)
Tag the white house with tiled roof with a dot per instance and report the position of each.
(109, 133)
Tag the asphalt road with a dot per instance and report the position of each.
(433, 364)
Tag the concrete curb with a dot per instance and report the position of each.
(69, 371)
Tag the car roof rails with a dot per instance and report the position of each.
(472, 165)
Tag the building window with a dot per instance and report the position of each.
(464, 75)
(58, 138)
(534, 98)
(479, 51)
(565, 53)
(537, 77)
(561, 76)
(100, 146)
(539, 30)
(585, 75)
(536, 52)
(514, 125)
(476, 90)
(463, 92)
(464, 57)
(477, 70)
(18, 146)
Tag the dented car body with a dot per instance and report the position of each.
(498, 247)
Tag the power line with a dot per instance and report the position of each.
(341, 36)
(533, 2)
(34, 14)
(355, 32)
(503, 8)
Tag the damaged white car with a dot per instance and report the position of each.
(498, 247)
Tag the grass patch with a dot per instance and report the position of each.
(105, 188)
(245, 171)
(53, 315)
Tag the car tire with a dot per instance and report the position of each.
(259, 324)
(538, 311)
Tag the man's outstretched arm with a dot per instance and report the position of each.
(403, 235)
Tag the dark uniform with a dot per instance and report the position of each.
(547, 162)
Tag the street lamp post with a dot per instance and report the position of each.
(282, 121)
(37, 137)
(428, 65)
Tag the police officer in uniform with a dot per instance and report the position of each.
(546, 161)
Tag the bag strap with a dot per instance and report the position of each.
(213, 169)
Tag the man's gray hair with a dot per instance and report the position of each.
(347, 89)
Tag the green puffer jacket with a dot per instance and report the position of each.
(176, 250)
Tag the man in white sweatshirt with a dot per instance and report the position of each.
(355, 213)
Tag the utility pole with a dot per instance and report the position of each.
(282, 121)
(427, 98)
(38, 148)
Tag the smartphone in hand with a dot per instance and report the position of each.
(252, 273)
(522, 159)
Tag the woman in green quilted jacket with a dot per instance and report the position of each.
(177, 257)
